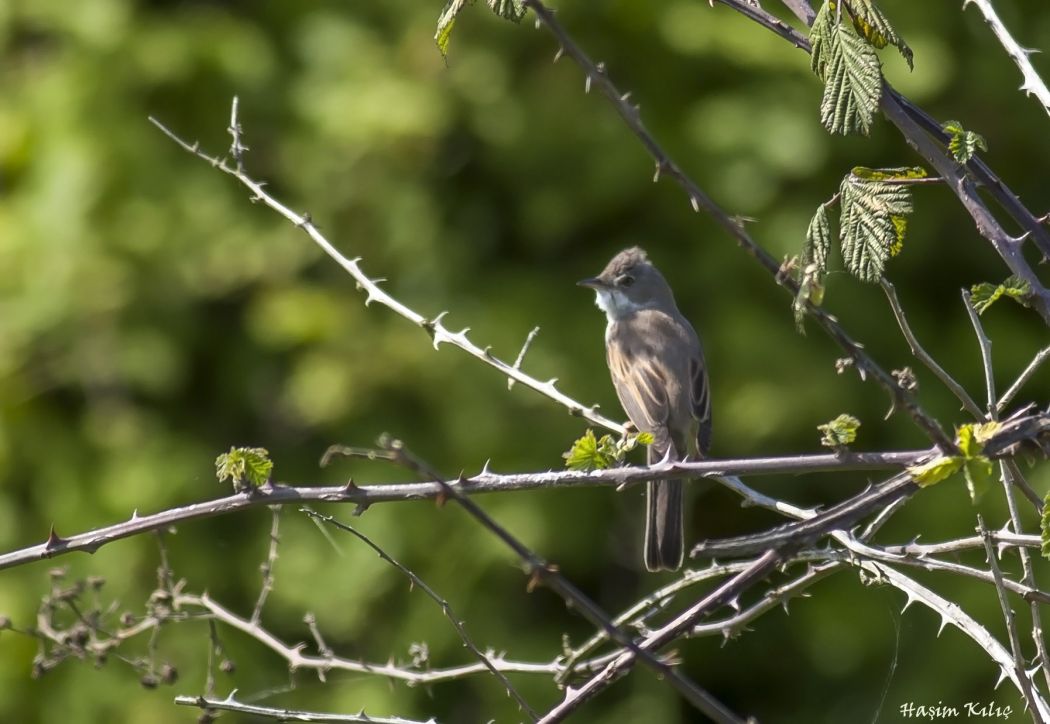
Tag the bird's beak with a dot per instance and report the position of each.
(591, 283)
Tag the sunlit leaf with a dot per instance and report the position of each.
(839, 432)
(245, 466)
(963, 144)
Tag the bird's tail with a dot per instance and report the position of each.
(664, 546)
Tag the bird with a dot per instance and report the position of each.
(657, 367)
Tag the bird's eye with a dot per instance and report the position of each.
(624, 280)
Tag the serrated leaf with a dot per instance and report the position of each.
(984, 295)
(811, 290)
(592, 453)
(868, 232)
(818, 240)
(850, 70)
(872, 24)
(513, 10)
(245, 466)
(900, 173)
(446, 21)
(963, 144)
(585, 454)
(839, 432)
(936, 470)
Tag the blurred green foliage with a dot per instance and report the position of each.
(151, 317)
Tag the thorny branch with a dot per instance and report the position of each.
(364, 496)
(439, 334)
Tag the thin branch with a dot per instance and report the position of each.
(1023, 379)
(231, 704)
(297, 659)
(439, 334)
(521, 354)
(1011, 624)
(267, 567)
(1032, 84)
(921, 354)
(443, 604)
(985, 343)
(1002, 539)
(902, 398)
(485, 482)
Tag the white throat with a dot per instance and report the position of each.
(615, 304)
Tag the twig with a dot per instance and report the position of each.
(1011, 624)
(902, 398)
(439, 334)
(521, 354)
(446, 607)
(485, 482)
(1001, 538)
(297, 659)
(231, 704)
(985, 343)
(921, 354)
(1032, 83)
(1023, 378)
(267, 567)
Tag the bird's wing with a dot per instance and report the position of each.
(641, 384)
(700, 399)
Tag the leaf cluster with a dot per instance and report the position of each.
(840, 432)
(984, 295)
(976, 467)
(963, 144)
(844, 58)
(247, 467)
(592, 453)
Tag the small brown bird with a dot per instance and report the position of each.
(658, 370)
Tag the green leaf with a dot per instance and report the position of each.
(592, 453)
(936, 470)
(818, 240)
(839, 432)
(979, 476)
(584, 455)
(446, 21)
(513, 10)
(977, 468)
(873, 25)
(984, 295)
(963, 144)
(850, 70)
(247, 467)
(871, 228)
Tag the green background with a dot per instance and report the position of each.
(151, 317)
